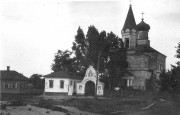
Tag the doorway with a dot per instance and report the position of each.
(90, 88)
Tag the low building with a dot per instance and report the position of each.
(61, 82)
(13, 82)
(65, 83)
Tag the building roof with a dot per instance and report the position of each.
(11, 75)
(62, 74)
(130, 22)
(142, 26)
(144, 49)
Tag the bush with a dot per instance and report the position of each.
(2, 106)
(56, 108)
(17, 103)
(45, 103)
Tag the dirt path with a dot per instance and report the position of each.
(32, 110)
(29, 110)
(160, 108)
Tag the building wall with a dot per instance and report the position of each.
(56, 84)
(140, 78)
(137, 62)
(141, 65)
(19, 87)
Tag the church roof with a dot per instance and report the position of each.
(142, 26)
(144, 49)
(11, 75)
(130, 22)
(62, 74)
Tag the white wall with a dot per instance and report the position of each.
(56, 84)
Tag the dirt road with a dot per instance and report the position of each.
(160, 108)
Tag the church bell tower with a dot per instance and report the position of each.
(129, 31)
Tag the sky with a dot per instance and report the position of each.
(31, 31)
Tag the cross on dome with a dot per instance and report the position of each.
(142, 15)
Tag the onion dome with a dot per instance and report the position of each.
(142, 26)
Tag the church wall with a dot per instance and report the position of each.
(139, 79)
(137, 62)
(152, 60)
(161, 62)
(132, 38)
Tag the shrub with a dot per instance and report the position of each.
(17, 103)
(2, 106)
(56, 108)
(29, 109)
(45, 103)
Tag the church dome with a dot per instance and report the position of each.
(142, 26)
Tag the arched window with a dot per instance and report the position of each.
(61, 84)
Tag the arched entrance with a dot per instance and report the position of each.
(90, 88)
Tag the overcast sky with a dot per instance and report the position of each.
(31, 31)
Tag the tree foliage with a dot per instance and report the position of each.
(178, 51)
(171, 80)
(37, 81)
(63, 61)
(105, 49)
(153, 83)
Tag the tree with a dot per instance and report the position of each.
(178, 51)
(37, 81)
(63, 61)
(87, 49)
(165, 81)
(103, 51)
(80, 50)
(176, 77)
(116, 59)
(171, 79)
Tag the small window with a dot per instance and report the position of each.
(51, 83)
(80, 87)
(5, 85)
(99, 87)
(71, 83)
(14, 85)
(61, 84)
(9, 85)
(74, 85)
(127, 43)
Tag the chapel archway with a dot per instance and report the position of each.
(90, 88)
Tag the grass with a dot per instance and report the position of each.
(102, 106)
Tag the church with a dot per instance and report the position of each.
(143, 60)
